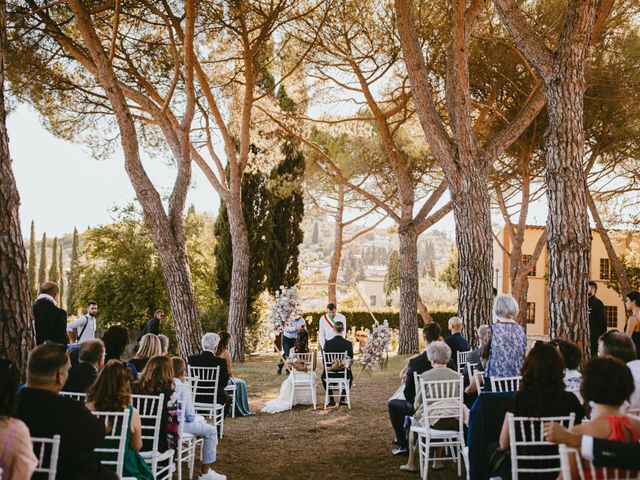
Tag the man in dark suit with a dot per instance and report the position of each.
(457, 343)
(208, 358)
(604, 453)
(153, 324)
(47, 414)
(400, 408)
(91, 360)
(50, 321)
(597, 321)
(338, 344)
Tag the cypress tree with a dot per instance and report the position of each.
(33, 281)
(392, 277)
(42, 268)
(315, 237)
(72, 278)
(54, 273)
(61, 270)
(432, 269)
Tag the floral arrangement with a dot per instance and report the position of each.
(374, 352)
(283, 309)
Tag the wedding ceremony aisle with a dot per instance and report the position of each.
(307, 444)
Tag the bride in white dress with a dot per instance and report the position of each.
(299, 373)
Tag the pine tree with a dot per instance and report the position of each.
(33, 285)
(42, 269)
(315, 238)
(72, 278)
(392, 277)
(54, 273)
(61, 270)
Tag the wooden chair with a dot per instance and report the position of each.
(505, 384)
(116, 425)
(338, 382)
(304, 379)
(207, 386)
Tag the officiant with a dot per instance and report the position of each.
(327, 324)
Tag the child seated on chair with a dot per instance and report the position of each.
(196, 424)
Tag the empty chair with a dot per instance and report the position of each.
(46, 449)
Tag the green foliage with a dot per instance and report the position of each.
(631, 263)
(54, 273)
(61, 270)
(449, 275)
(361, 319)
(42, 269)
(432, 269)
(72, 278)
(32, 262)
(392, 277)
(121, 271)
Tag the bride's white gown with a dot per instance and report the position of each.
(288, 398)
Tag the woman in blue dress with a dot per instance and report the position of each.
(242, 401)
(508, 340)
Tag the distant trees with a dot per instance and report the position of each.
(33, 255)
(73, 277)
(54, 272)
(42, 266)
(392, 277)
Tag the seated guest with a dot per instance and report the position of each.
(439, 355)
(115, 340)
(164, 344)
(17, 460)
(111, 393)
(618, 345)
(91, 360)
(149, 347)
(242, 402)
(157, 378)
(195, 424)
(47, 414)
(338, 344)
(608, 383)
(572, 357)
(457, 343)
(479, 357)
(541, 394)
(508, 340)
(401, 407)
(208, 358)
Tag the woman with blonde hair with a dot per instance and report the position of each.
(150, 346)
(111, 393)
(157, 378)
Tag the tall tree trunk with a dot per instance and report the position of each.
(519, 291)
(239, 276)
(618, 269)
(337, 247)
(16, 320)
(408, 288)
(167, 231)
(474, 241)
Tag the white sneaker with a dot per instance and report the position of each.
(212, 475)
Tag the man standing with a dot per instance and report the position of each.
(47, 414)
(327, 325)
(338, 344)
(457, 343)
(91, 360)
(84, 328)
(153, 324)
(50, 321)
(597, 321)
(289, 335)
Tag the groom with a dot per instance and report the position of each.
(327, 326)
(338, 344)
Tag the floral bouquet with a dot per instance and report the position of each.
(374, 352)
(283, 309)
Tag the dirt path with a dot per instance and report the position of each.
(307, 444)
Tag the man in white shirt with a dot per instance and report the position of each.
(327, 326)
(84, 326)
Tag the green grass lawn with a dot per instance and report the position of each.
(307, 444)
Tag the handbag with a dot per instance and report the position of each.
(500, 463)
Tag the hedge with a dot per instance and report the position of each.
(361, 319)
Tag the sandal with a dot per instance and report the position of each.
(407, 468)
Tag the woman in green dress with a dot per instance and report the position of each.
(111, 392)
(242, 402)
